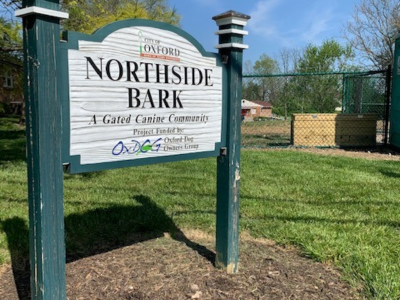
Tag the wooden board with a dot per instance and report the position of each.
(141, 93)
(334, 130)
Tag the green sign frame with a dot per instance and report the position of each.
(70, 42)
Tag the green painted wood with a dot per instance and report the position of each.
(389, 73)
(74, 166)
(394, 134)
(70, 41)
(45, 175)
(228, 166)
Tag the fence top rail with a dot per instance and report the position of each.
(315, 74)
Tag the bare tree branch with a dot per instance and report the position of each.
(373, 29)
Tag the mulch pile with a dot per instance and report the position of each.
(182, 268)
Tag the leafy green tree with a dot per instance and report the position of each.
(251, 89)
(86, 16)
(11, 52)
(301, 94)
(329, 57)
(10, 43)
(288, 100)
(89, 15)
(320, 93)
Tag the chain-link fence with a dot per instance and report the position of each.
(319, 109)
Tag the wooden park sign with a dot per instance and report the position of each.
(140, 92)
(135, 92)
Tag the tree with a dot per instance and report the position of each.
(321, 93)
(329, 57)
(10, 47)
(262, 88)
(288, 59)
(248, 67)
(300, 93)
(9, 6)
(10, 38)
(86, 16)
(269, 88)
(373, 31)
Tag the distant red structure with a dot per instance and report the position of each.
(256, 109)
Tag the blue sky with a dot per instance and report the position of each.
(274, 24)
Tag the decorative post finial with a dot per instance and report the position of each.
(231, 24)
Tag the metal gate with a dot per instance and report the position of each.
(369, 93)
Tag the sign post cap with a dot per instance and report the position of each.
(231, 14)
(231, 17)
(231, 24)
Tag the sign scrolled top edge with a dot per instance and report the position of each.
(101, 33)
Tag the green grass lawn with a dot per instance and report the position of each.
(343, 211)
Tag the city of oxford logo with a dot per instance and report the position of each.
(152, 48)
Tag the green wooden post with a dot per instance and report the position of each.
(394, 131)
(43, 132)
(230, 47)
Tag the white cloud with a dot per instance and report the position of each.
(286, 24)
(317, 24)
(266, 22)
(261, 17)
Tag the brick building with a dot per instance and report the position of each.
(254, 109)
(11, 92)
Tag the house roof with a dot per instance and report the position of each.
(246, 104)
(263, 103)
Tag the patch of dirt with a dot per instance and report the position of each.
(181, 268)
(367, 153)
(2, 270)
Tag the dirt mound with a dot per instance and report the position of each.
(181, 268)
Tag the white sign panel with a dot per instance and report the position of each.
(142, 92)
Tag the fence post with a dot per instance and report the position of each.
(230, 47)
(387, 107)
(41, 33)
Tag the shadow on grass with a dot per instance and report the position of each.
(390, 174)
(18, 243)
(97, 231)
(84, 176)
